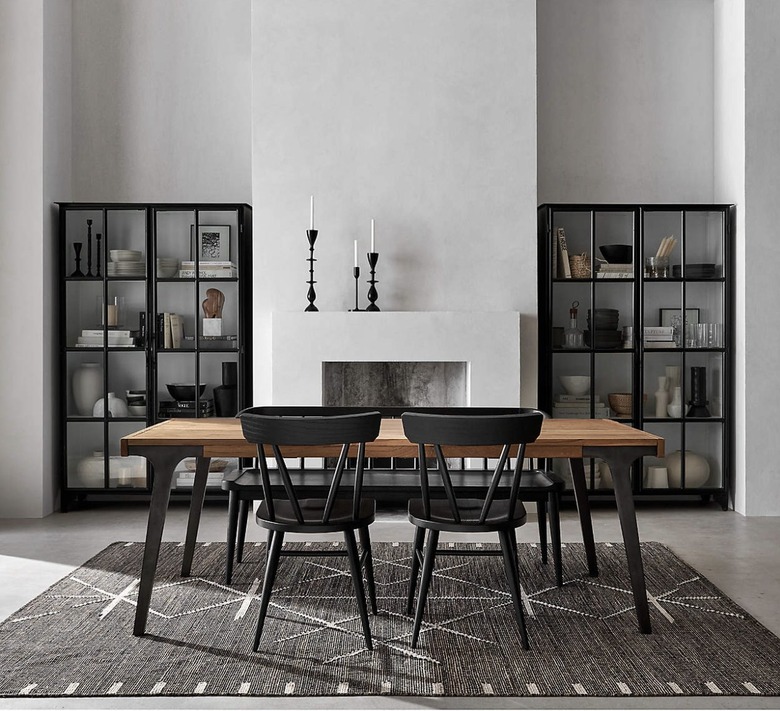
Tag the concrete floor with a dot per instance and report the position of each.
(740, 555)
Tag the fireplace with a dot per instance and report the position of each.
(477, 353)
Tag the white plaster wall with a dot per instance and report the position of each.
(625, 100)
(762, 254)
(420, 115)
(57, 183)
(22, 445)
(161, 100)
(729, 175)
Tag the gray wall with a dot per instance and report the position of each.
(34, 169)
(762, 255)
(161, 105)
(625, 94)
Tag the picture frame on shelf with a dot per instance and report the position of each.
(212, 244)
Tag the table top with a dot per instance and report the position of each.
(222, 437)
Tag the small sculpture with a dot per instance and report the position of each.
(213, 303)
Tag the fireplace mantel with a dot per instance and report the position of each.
(288, 367)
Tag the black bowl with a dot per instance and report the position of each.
(184, 391)
(617, 253)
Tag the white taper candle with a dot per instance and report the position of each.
(311, 214)
(373, 249)
(356, 261)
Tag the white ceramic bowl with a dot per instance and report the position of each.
(575, 384)
(125, 255)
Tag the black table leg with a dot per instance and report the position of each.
(583, 509)
(196, 507)
(619, 461)
(163, 461)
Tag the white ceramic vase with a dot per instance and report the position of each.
(675, 406)
(697, 469)
(117, 407)
(661, 397)
(87, 387)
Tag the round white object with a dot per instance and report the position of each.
(697, 469)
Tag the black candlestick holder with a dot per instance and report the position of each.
(89, 248)
(373, 258)
(311, 295)
(356, 274)
(699, 402)
(77, 249)
(98, 237)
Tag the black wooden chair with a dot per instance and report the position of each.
(334, 514)
(467, 515)
(536, 484)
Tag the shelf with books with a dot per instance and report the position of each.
(643, 299)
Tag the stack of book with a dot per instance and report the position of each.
(659, 337)
(96, 338)
(170, 330)
(208, 270)
(578, 407)
(615, 271)
(186, 408)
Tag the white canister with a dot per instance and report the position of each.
(657, 478)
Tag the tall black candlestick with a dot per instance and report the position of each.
(373, 258)
(356, 274)
(699, 402)
(89, 247)
(311, 295)
(77, 249)
(98, 236)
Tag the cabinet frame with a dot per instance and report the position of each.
(150, 352)
(638, 286)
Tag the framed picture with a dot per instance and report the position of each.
(213, 243)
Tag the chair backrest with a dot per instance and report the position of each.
(277, 427)
(505, 430)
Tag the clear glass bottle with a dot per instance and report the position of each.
(573, 336)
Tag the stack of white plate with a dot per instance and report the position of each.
(167, 267)
(126, 263)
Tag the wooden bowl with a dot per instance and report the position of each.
(621, 403)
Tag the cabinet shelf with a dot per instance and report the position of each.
(138, 301)
(705, 235)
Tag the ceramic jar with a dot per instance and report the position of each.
(661, 397)
(697, 469)
(117, 407)
(87, 387)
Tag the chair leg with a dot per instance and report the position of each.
(274, 552)
(541, 513)
(233, 505)
(425, 581)
(357, 582)
(419, 539)
(510, 565)
(555, 535)
(243, 517)
(365, 542)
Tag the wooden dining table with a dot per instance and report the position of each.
(165, 444)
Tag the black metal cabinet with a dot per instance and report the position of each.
(647, 327)
(137, 263)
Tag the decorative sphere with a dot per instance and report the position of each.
(697, 469)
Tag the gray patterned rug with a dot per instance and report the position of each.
(75, 639)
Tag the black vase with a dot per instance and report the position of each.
(226, 395)
(699, 402)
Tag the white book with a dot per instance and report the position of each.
(94, 341)
(167, 338)
(660, 344)
(98, 332)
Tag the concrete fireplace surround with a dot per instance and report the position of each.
(288, 365)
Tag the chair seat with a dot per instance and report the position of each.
(340, 519)
(441, 518)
